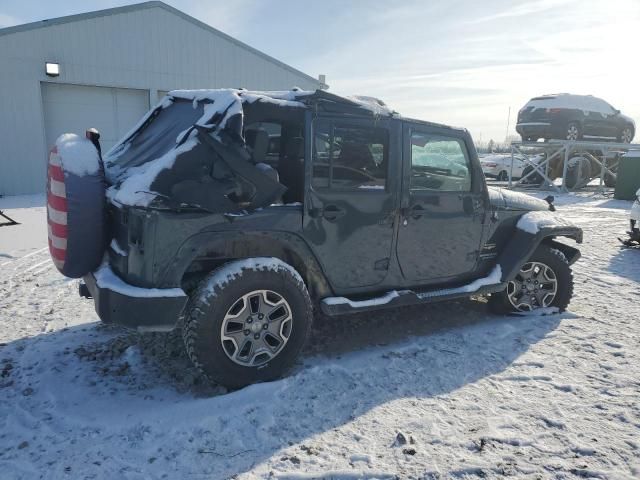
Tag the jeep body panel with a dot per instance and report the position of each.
(426, 243)
(442, 228)
(352, 231)
(146, 313)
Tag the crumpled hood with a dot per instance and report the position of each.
(508, 199)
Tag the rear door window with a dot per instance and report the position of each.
(350, 156)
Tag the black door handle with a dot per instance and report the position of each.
(333, 212)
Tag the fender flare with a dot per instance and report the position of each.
(219, 247)
(523, 244)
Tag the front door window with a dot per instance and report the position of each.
(439, 163)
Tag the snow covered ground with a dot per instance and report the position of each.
(446, 391)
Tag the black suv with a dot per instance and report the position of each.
(573, 117)
(236, 214)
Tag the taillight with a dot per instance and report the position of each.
(554, 110)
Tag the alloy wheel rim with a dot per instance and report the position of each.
(626, 135)
(256, 328)
(572, 132)
(535, 286)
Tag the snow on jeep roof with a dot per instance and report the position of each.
(167, 131)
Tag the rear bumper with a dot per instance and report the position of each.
(142, 309)
(536, 129)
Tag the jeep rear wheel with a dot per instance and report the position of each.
(247, 321)
(544, 281)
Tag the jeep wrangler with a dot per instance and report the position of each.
(233, 215)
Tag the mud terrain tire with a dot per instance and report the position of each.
(223, 294)
(556, 261)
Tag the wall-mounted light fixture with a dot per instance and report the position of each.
(52, 69)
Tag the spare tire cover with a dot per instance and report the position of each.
(76, 213)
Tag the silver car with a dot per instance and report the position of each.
(498, 166)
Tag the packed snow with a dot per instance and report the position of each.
(116, 248)
(230, 271)
(532, 222)
(494, 277)
(105, 278)
(375, 105)
(136, 188)
(381, 300)
(440, 391)
(77, 155)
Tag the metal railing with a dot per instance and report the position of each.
(604, 155)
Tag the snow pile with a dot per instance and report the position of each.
(475, 395)
(532, 222)
(136, 188)
(116, 248)
(494, 277)
(375, 105)
(78, 155)
(230, 271)
(105, 278)
(586, 103)
(382, 300)
(228, 97)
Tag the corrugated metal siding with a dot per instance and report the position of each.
(150, 49)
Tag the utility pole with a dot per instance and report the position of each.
(506, 136)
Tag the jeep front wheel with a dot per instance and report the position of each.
(544, 281)
(247, 321)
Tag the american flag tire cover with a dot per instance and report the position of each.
(76, 219)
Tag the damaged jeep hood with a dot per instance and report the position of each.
(510, 200)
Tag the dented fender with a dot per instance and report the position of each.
(523, 244)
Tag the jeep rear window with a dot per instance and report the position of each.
(154, 139)
(350, 157)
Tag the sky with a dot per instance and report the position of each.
(458, 62)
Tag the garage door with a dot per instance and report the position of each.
(74, 108)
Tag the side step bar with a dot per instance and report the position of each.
(333, 306)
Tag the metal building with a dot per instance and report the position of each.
(105, 69)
